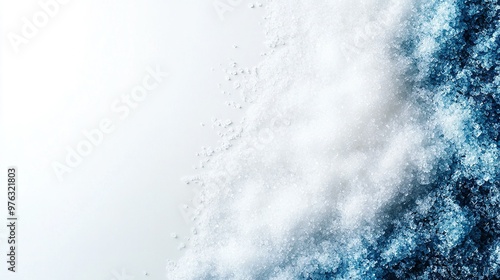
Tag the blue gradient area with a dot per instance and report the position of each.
(450, 227)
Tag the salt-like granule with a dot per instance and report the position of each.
(369, 149)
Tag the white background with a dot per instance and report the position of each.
(115, 212)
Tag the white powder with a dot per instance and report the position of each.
(327, 141)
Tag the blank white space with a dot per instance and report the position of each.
(118, 208)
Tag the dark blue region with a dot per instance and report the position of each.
(450, 228)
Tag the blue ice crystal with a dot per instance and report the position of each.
(451, 230)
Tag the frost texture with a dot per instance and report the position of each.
(388, 165)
